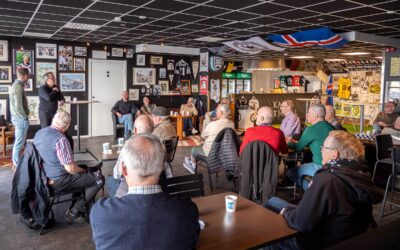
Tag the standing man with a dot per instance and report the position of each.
(291, 123)
(125, 110)
(50, 98)
(19, 112)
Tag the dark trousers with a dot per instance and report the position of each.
(187, 124)
(71, 182)
(45, 118)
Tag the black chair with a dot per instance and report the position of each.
(170, 146)
(118, 128)
(184, 186)
(392, 183)
(384, 145)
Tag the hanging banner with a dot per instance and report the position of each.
(203, 85)
(216, 63)
(253, 45)
(214, 90)
(195, 68)
(204, 62)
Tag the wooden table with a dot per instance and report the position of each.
(97, 152)
(250, 226)
(179, 124)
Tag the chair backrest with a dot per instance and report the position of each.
(384, 144)
(184, 186)
(396, 161)
(170, 146)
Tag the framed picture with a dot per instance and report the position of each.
(33, 105)
(3, 107)
(23, 59)
(163, 73)
(129, 53)
(5, 74)
(46, 50)
(29, 85)
(144, 76)
(134, 94)
(3, 51)
(185, 87)
(72, 82)
(41, 69)
(195, 88)
(4, 89)
(156, 60)
(79, 64)
(164, 86)
(117, 52)
(141, 60)
(80, 51)
(65, 58)
(157, 90)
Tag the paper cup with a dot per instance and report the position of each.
(106, 147)
(75, 99)
(121, 141)
(171, 113)
(230, 203)
(369, 132)
(176, 113)
(188, 113)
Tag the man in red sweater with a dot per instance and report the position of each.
(264, 132)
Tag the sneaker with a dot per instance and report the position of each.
(189, 167)
(80, 217)
(187, 160)
(30, 223)
(194, 131)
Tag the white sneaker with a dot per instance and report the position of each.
(194, 131)
(189, 167)
(187, 160)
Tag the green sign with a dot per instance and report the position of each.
(229, 75)
(243, 75)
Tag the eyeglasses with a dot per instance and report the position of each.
(323, 147)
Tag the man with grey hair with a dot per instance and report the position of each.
(145, 218)
(312, 137)
(62, 172)
(291, 125)
(163, 127)
(330, 117)
(209, 133)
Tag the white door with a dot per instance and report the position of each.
(107, 81)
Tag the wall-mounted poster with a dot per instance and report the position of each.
(4, 89)
(140, 60)
(195, 88)
(71, 82)
(231, 86)
(65, 58)
(29, 85)
(157, 89)
(33, 105)
(3, 107)
(224, 88)
(156, 60)
(214, 90)
(117, 52)
(46, 50)
(80, 51)
(23, 59)
(185, 87)
(3, 51)
(204, 62)
(134, 94)
(79, 64)
(41, 69)
(203, 85)
(170, 65)
(164, 87)
(195, 68)
(163, 73)
(129, 53)
(144, 76)
(5, 74)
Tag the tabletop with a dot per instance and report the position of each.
(251, 225)
(97, 152)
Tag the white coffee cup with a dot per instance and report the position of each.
(121, 141)
(187, 113)
(75, 99)
(369, 132)
(176, 113)
(106, 146)
(171, 112)
(230, 203)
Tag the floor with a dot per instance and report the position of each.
(66, 235)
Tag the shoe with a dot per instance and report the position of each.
(189, 167)
(80, 217)
(187, 160)
(194, 131)
(30, 223)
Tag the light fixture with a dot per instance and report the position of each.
(390, 12)
(334, 60)
(209, 39)
(142, 17)
(355, 53)
(320, 19)
(81, 26)
(117, 19)
(378, 57)
(285, 54)
(88, 44)
(301, 57)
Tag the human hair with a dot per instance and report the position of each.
(61, 119)
(47, 75)
(191, 99)
(22, 72)
(224, 108)
(348, 146)
(143, 125)
(319, 110)
(144, 155)
(289, 103)
(266, 113)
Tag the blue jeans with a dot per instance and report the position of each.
(21, 129)
(187, 124)
(296, 173)
(112, 185)
(127, 120)
(276, 204)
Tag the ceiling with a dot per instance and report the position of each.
(180, 22)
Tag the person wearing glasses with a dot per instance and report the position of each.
(290, 126)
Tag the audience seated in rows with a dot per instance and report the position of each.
(126, 111)
(338, 203)
(385, 118)
(190, 110)
(330, 117)
(291, 125)
(147, 107)
(394, 131)
(163, 127)
(312, 137)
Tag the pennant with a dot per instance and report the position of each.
(195, 68)
(253, 45)
(171, 77)
(323, 37)
(329, 91)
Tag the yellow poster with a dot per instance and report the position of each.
(395, 66)
(344, 91)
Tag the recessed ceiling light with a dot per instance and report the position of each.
(355, 53)
(81, 26)
(302, 57)
(390, 12)
(320, 19)
(209, 39)
(117, 19)
(142, 17)
(37, 34)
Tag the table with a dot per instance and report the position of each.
(179, 124)
(97, 152)
(250, 226)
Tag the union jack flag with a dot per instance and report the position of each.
(329, 91)
(323, 37)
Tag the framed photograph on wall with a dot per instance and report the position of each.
(3, 107)
(164, 86)
(185, 87)
(41, 69)
(195, 88)
(163, 73)
(4, 89)
(29, 85)
(72, 82)
(134, 94)
(3, 51)
(5, 74)
(140, 60)
(144, 76)
(23, 59)
(65, 58)
(80, 51)
(79, 64)
(117, 52)
(156, 60)
(33, 105)
(46, 50)
(129, 53)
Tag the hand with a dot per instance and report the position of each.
(60, 103)
(55, 89)
(138, 113)
(282, 211)
(118, 114)
(290, 139)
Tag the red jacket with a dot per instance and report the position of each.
(272, 136)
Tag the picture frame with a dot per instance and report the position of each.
(65, 57)
(129, 53)
(41, 69)
(23, 59)
(33, 106)
(144, 76)
(164, 85)
(157, 90)
(5, 74)
(134, 94)
(162, 73)
(140, 60)
(80, 51)
(185, 87)
(29, 85)
(79, 64)
(4, 89)
(72, 82)
(156, 60)
(3, 108)
(195, 88)
(46, 51)
(117, 52)
(3, 51)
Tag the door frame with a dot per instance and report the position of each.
(90, 96)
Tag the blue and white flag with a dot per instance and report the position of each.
(253, 45)
(329, 92)
(323, 37)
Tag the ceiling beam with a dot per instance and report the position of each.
(369, 38)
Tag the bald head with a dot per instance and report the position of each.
(265, 115)
(125, 95)
(143, 125)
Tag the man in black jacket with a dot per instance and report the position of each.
(126, 110)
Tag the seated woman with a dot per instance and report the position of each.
(188, 109)
(147, 107)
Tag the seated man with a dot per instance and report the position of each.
(145, 218)
(338, 203)
(212, 115)
(209, 134)
(125, 110)
(394, 131)
(291, 125)
(58, 162)
(163, 127)
(312, 137)
(385, 118)
(188, 109)
(264, 132)
(330, 117)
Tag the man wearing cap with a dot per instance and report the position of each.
(163, 127)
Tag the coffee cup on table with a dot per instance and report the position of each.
(106, 147)
(176, 113)
(187, 113)
(75, 99)
(230, 203)
(171, 112)
(121, 141)
(369, 132)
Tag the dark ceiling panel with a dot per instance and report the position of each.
(395, 5)
(332, 6)
(378, 18)
(391, 23)
(45, 9)
(127, 2)
(98, 15)
(167, 23)
(364, 11)
(296, 14)
(55, 17)
(150, 13)
(14, 19)
(299, 3)
(21, 6)
(169, 5)
(195, 26)
(69, 3)
(16, 13)
(342, 23)
(237, 16)
(111, 8)
(320, 19)
(241, 25)
(205, 11)
(267, 9)
(214, 21)
(184, 18)
(233, 4)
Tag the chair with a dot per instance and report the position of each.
(392, 183)
(184, 186)
(170, 146)
(7, 134)
(384, 144)
(118, 128)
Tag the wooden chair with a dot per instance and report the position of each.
(7, 134)
(184, 186)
